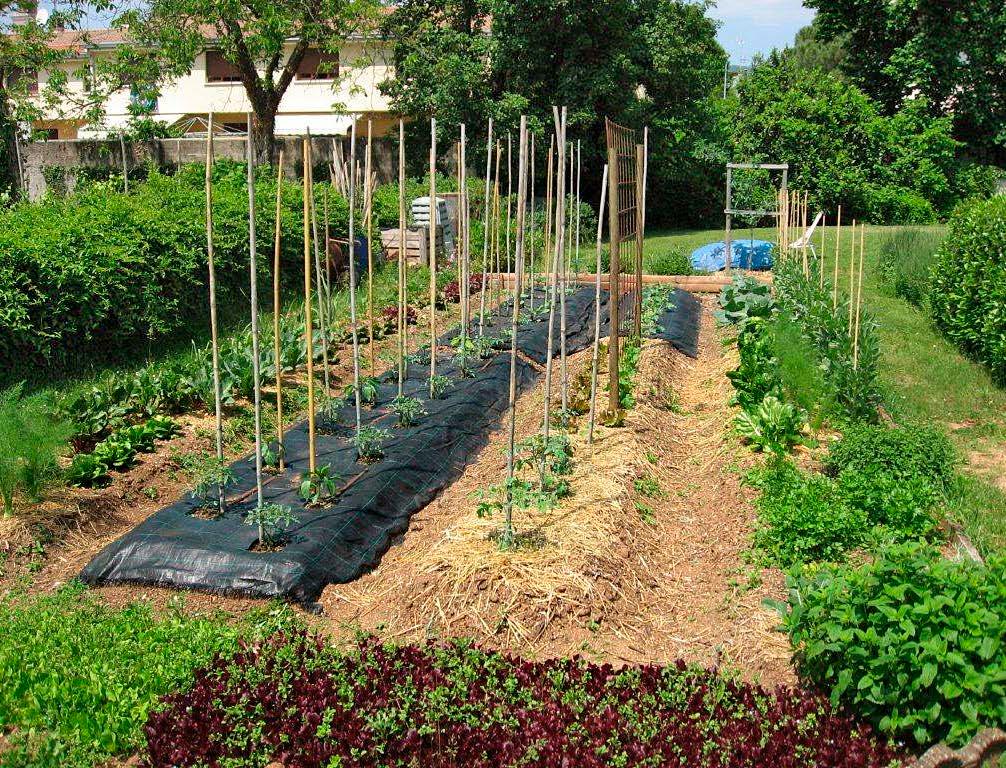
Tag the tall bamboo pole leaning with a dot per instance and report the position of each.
(838, 243)
(463, 234)
(859, 296)
(308, 315)
(494, 257)
(821, 258)
(803, 234)
(546, 259)
(509, 197)
(253, 289)
(485, 229)
(554, 273)
(352, 282)
(214, 336)
(531, 245)
(614, 267)
(507, 539)
(319, 275)
(576, 258)
(597, 310)
(403, 302)
(640, 223)
(277, 344)
(433, 251)
(368, 198)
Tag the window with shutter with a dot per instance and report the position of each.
(318, 65)
(219, 70)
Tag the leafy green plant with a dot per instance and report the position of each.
(86, 470)
(370, 443)
(439, 385)
(896, 475)
(773, 426)
(672, 261)
(757, 375)
(31, 438)
(272, 520)
(802, 517)
(744, 297)
(551, 458)
(628, 365)
(116, 451)
(911, 641)
(369, 388)
(408, 409)
(211, 475)
(319, 486)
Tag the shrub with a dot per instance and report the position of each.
(673, 261)
(802, 517)
(905, 262)
(968, 290)
(295, 700)
(31, 438)
(911, 641)
(77, 678)
(744, 297)
(898, 205)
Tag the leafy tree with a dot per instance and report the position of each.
(811, 51)
(841, 147)
(167, 36)
(639, 62)
(949, 51)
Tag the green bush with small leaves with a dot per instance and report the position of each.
(802, 517)
(911, 641)
(31, 439)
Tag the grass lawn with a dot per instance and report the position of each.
(925, 378)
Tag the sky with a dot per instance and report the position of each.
(757, 26)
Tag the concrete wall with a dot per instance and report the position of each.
(106, 154)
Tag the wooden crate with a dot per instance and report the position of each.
(417, 245)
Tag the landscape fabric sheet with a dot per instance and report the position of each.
(337, 543)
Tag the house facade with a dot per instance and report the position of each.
(327, 94)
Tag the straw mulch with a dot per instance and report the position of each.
(621, 571)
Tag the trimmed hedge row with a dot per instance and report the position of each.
(106, 268)
(968, 293)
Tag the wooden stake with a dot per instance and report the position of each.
(433, 251)
(614, 289)
(859, 296)
(838, 242)
(531, 245)
(507, 539)
(485, 229)
(852, 276)
(308, 318)
(509, 197)
(403, 302)
(368, 196)
(597, 311)
(463, 282)
(803, 234)
(277, 345)
(352, 281)
(820, 260)
(214, 336)
(253, 288)
(319, 277)
(639, 191)
(562, 250)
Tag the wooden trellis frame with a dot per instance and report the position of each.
(730, 211)
(625, 237)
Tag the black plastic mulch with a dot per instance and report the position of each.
(339, 542)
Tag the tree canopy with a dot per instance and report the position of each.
(948, 51)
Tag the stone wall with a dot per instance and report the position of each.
(58, 163)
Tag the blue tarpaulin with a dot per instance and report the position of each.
(744, 254)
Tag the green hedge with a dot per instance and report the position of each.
(102, 269)
(968, 293)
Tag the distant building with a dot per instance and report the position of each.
(349, 80)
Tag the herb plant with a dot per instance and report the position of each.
(370, 442)
(319, 486)
(31, 438)
(439, 385)
(272, 520)
(408, 409)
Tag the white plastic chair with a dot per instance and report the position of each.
(806, 239)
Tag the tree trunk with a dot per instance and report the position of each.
(266, 149)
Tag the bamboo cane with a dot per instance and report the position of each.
(497, 224)
(214, 335)
(803, 234)
(485, 230)
(859, 296)
(597, 311)
(368, 197)
(433, 251)
(507, 538)
(403, 311)
(546, 254)
(253, 288)
(509, 197)
(277, 345)
(352, 282)
(576, 266)
(308, 315)
(463, 235)
(838, 241)
(820, 265)
(531, 245)
(553, 278)
(852, 275)
(318, 274)
(562, 248)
